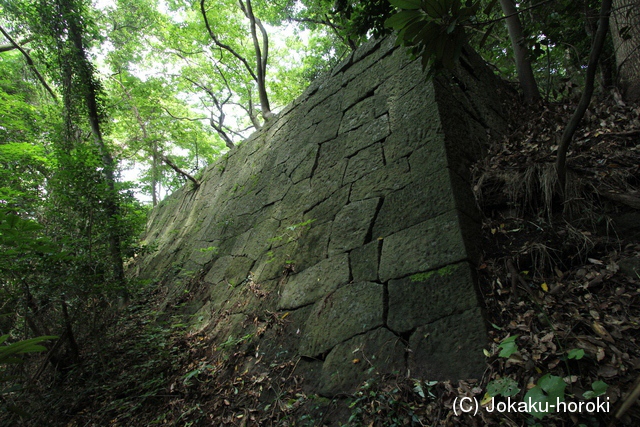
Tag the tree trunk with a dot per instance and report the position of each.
(89, 89)
(154, 174)
(625, 32)
(262, 57)
(521, 55)
(585, 99)
(262, 53)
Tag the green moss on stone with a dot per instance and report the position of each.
(442, 272)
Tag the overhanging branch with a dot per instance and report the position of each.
(30, 62)
(224, 46)
(173, 166)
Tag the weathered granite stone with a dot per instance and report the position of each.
(351, 225)
(364, 162)
(358, 115)
(270, 265)
(366, 135)
(373, 353)
(312, 245)
(299, 198)
(365, 260)
(414, 120)
(349, 311)
(419, 202)
(449, 348)
(382, 181)
(426, 297)
(426, 246)
(326, 181)
(311, 284)
(230, 270)
(258, 239)
(327, 209)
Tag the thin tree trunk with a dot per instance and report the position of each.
(625, 32)
(89, 90)
(261, 57)
(585, 99)
(258, 75)
(145, 138)
(154, 174)
(521, 55)
(69, 331)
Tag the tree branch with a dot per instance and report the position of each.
(8, 47)
(261, 59)
(517, 12)
(173, 166)
(30, 62)
(197, 119)
(219, 125)
(222, 45)
(585, 99)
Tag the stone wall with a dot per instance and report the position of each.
(345, 232)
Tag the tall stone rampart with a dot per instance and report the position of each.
(345, 232)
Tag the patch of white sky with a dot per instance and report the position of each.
(279, 39)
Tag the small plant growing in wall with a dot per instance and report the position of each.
(293, 232)
(210, 249)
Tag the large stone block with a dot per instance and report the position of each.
(258, 239)
(382, 181)
(364, 261)
(425, 246)
(350, 363)
(364, 162)
(426, 297)
(449, 348)
(311, 284)
(414, 120)
(230, 270)
(327, 209)
(351, 225)
(349, 311)
(417, 202)
(358, 115)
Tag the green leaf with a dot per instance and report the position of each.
(576, 353)
(10, 360)
(7, 352)
(434, 8)
(508, 346)
(402, 19)
(406, 4)
(413, 29)
(504, 386)
(598, 389)
(418, 389)
(548, 391)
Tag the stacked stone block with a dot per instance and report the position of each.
(351, 211)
